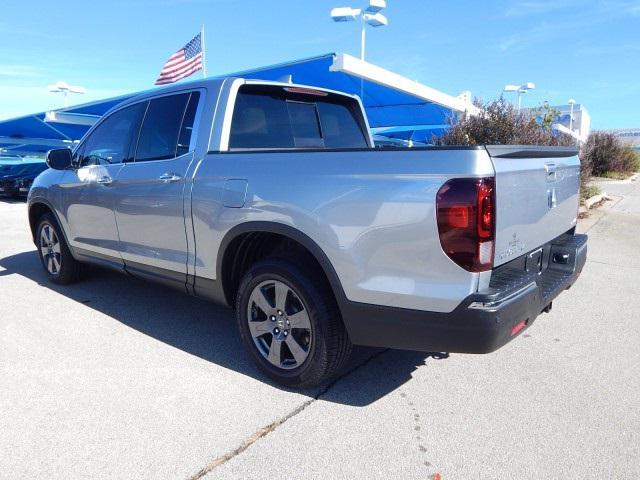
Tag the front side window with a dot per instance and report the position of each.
(161, 126)
(274, 117)
(109, 143)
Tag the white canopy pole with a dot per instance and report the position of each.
(368, 71)
(363, 39)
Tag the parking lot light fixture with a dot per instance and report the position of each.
(345, 14)
(370, 16)
(520, 89)
(64, 88)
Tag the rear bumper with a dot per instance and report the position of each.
(483, 322)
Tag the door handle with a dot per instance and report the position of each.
(169, 177)
(106, 180)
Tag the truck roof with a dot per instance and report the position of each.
(217, 83)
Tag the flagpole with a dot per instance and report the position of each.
(204, 56)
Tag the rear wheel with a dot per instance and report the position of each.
(290, 324)
(54, 252)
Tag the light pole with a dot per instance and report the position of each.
(369, 16)
(571, 102)
(524, 88)
(66, 89)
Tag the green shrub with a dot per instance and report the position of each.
(630, 160)
(500, 124)
(614, 175)
(589, 191)
(605, 155)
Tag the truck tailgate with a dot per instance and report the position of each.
(537, 196)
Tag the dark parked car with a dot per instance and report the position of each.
(18, 173)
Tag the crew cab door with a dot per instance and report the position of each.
(87, 197)
(149, 206)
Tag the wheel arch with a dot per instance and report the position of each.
(238, 240)
(37, 208)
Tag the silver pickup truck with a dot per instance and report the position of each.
(271, 198)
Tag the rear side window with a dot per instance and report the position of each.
(166, 128)
(272, 118)
(186, 131)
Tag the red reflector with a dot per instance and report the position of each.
(306, 91)
(518, 327)
(458, 216)
(485, 209)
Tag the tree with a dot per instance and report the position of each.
(498, 123)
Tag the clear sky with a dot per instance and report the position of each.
(581, 49)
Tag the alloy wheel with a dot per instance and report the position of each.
(279, 324)
(50, 249)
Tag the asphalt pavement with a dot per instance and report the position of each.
(118, 378)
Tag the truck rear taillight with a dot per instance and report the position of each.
(485, 205)
(466, 221)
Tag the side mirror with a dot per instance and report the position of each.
(59, 159)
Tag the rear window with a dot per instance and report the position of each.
(267, 117)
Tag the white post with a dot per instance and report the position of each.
(519, 100)
(363, 39)
(571, 118)
(204, 57)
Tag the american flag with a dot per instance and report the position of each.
(183, 63)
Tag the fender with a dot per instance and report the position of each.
(293, 234)
(48, 204)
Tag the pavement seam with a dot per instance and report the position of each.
(264, 431)
(633, 267)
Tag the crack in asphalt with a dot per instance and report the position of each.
(264, 431)
(633, 267)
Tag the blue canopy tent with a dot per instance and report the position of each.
(386, 106)
(39, 132)
(396, 106)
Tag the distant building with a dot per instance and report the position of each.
(628, 136)
(578, 128)
(581, 124)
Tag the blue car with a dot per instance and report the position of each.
(18, 173)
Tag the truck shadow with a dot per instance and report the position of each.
(209, 331)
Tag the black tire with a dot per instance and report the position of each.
(329, 346)
(69, 269)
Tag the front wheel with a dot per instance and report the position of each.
(54, 252)
(290, 324)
